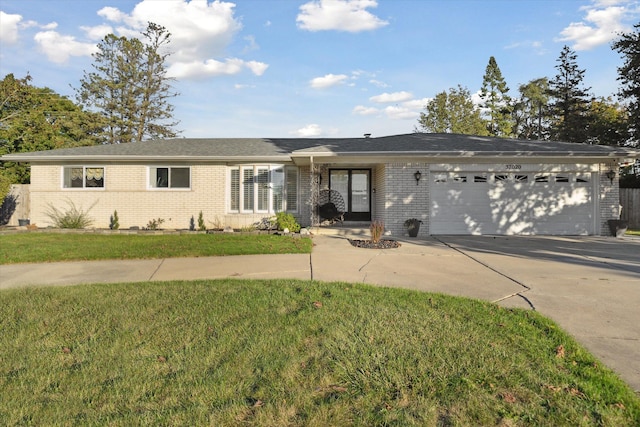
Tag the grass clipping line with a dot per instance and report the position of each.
(287, 352)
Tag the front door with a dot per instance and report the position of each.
(354, 186)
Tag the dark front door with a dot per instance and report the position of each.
(354, 186)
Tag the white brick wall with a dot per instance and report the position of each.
(609, 199)
(403, 198)
(126, 191)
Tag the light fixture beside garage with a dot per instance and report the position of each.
(417, 176)
(611, 174)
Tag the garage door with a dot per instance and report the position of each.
(512, 203)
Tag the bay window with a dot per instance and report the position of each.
(263, 189)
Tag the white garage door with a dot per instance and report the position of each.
(512, 203)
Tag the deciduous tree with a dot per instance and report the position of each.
(530, 110)
(34, 119)
(452, 112)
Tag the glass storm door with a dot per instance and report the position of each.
(354, 186)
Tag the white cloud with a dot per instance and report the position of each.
(365, 111)
(257, 68)
(98, 32)
(602, 24)
(328, 81)
(9, 27)
(378, 83)
(212, 68)
(398, 112)
(59, 48)
(416, 104)
(341, 15)
(199, 30)
(308, 131)
(391, 97)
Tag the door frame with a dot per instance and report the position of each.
(349, 215)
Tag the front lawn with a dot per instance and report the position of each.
(284, 352)
(633, 232)
(49, 247)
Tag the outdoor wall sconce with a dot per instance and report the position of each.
(611, 175)
(417, 176)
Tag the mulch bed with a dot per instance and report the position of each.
(369, 244)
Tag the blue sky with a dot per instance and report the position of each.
(326, 68)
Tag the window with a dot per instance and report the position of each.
(521, 178)
(562, 178)
(582, 178)
(83, 177)
(440, 178)
(541, 178)
(480, 178)
(263, 189)
(459, 178)
(169, 177)
(500, 178)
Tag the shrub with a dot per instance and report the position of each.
(201, 225)
(286, 220)
(377, 228)
(154, 224)
(73, 217)
(114, 221)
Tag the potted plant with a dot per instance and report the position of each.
(413, 226)
(618, 227)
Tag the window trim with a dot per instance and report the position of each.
(256, 169)
(151, 187)
(84, 178)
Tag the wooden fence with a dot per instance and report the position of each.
(630, 202)
(16, 205)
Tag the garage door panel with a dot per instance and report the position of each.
(525, 204)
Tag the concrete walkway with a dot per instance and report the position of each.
(589, 285)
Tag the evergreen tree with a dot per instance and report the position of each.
(629, 77)
(452, 112)
(496, 101)
(129, 87)
(570, 100)
(530, 111)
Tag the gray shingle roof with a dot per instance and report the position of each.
(282, 149)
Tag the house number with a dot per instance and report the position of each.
(514, 167)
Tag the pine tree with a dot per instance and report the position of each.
(629, 77)
(129, 87)
(496, 101)
(569, 110)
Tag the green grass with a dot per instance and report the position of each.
(283, 352)
(49, 247)
(633, 232)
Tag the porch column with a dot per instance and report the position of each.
(314, 179)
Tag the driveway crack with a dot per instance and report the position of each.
(517, 282)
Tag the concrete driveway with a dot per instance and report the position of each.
(589, 285)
